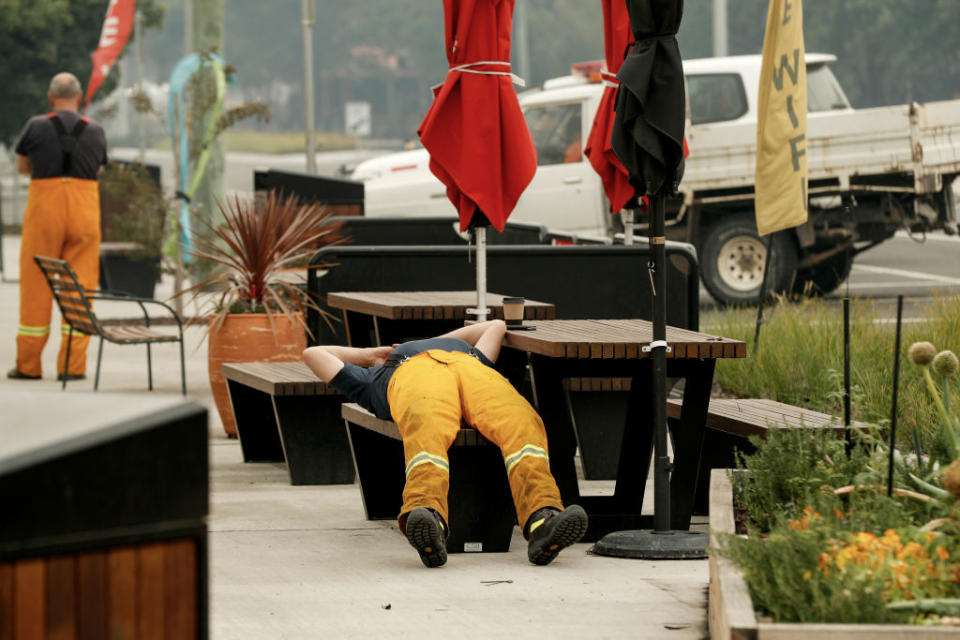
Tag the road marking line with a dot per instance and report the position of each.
(903, 273)
(939, 237)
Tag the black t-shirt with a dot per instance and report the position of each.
(367, 386)
(41, 143)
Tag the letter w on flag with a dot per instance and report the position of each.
(113, 38)
(781, 172)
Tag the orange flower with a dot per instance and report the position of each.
(942, 553)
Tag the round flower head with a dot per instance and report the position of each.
(922, 353)
(946, 364)
(951, 478)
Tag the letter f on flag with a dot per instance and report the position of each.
(113, 38)
(781, 172)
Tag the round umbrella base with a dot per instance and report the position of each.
(653, 545)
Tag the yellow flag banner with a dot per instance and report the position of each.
(781, 173)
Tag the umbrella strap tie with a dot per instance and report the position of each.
(468, 68)
(609, 79)
(656, 344)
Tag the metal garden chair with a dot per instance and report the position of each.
(74, 303)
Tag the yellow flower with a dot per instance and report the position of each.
(806, 574)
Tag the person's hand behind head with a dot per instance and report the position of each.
(379, 355)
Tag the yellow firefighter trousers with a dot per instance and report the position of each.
(62, 220)
(430, 394)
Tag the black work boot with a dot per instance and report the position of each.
(549, 531)
(428, 535)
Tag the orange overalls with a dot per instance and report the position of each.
(430, 394)
(62, 220)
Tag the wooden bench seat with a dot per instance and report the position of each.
(482, 514)
(285, 413)
(598, 406)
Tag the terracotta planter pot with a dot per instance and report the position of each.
(248, 337)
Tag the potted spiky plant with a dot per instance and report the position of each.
(256, 293)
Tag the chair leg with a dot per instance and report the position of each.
(149, 370)
(183, 370)
(66, 363)
(96, 378)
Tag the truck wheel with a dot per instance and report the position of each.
(733, 259)
(824, 278)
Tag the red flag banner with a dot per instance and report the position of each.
(113, 38)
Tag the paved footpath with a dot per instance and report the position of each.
(302, 562)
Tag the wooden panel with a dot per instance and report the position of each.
(92, 595)
(6, 601)
(122, 593)
(180, 590)
(61, 598)
(150, 592)
(29, 583)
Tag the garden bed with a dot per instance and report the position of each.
(731, 610)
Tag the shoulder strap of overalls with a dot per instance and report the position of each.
(68, 141)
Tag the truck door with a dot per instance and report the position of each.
(565, 191)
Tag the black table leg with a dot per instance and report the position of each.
(637, 446)
(548, 381)
(688, 441)
(359, 329)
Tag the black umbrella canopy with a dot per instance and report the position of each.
(650, 112)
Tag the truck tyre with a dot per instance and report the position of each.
(733, 258)
(824, 278)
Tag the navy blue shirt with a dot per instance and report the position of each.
(367, 386)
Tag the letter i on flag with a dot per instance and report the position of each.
(781, 173)
(113, 38)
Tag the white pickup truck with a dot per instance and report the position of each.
(872, 171)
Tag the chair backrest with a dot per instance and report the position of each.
(69, 294)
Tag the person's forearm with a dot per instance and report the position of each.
(362, 357)
(471, 333)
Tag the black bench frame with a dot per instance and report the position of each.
(285, 413)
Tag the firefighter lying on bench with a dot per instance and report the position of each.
(427, 387)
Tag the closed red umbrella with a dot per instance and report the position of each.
(479, 144)
(617, 35)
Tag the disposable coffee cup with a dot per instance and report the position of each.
(513, 311)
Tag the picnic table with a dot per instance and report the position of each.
(373, 318)
(561, 349)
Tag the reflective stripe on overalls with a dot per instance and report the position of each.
(431, 394)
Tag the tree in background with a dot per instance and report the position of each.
(39, 38)
(889, 51)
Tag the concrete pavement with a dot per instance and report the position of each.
(303, 562)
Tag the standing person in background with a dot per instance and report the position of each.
(427, 387)
(63, 153)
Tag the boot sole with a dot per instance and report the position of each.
(568, 527)
(426, 536)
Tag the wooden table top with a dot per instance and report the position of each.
(618, 339)
(429, 305)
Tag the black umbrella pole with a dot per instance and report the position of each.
(657, 266)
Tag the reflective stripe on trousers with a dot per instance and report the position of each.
(431, 394)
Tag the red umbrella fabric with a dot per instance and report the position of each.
(617, 35)
(479, 143)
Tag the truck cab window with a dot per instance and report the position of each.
(823, 90)
(556, 131)
(716, 97)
